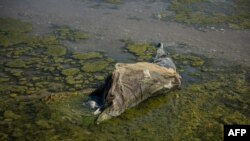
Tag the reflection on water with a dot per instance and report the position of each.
(45, 79)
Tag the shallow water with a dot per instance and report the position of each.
(41, 97)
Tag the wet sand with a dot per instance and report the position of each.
(107, 24)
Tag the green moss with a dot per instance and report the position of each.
(65, 33)
(55, 50)
(16, 64)
(143, 51)
(95, 66)
(89, 55)
(70, 71)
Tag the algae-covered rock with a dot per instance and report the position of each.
(16, 64)
(142, 50)
(70, 71)
(56, 50)
(89, 55)
(95, 66)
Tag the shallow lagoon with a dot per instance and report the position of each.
(44, 81)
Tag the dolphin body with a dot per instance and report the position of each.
(130, 84)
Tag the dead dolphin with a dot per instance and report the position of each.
(130, 84)
(133, 83)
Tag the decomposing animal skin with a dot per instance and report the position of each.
(133, 83)
(130, 84)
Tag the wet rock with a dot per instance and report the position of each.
(133, 83)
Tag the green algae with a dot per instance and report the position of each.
(143, 51)
(194, 61)
(56, 51)
(205, 13)
(70, 71)
(95, 66)
(10, 39)
(65, 33)
(85, 56)
(16, 64)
